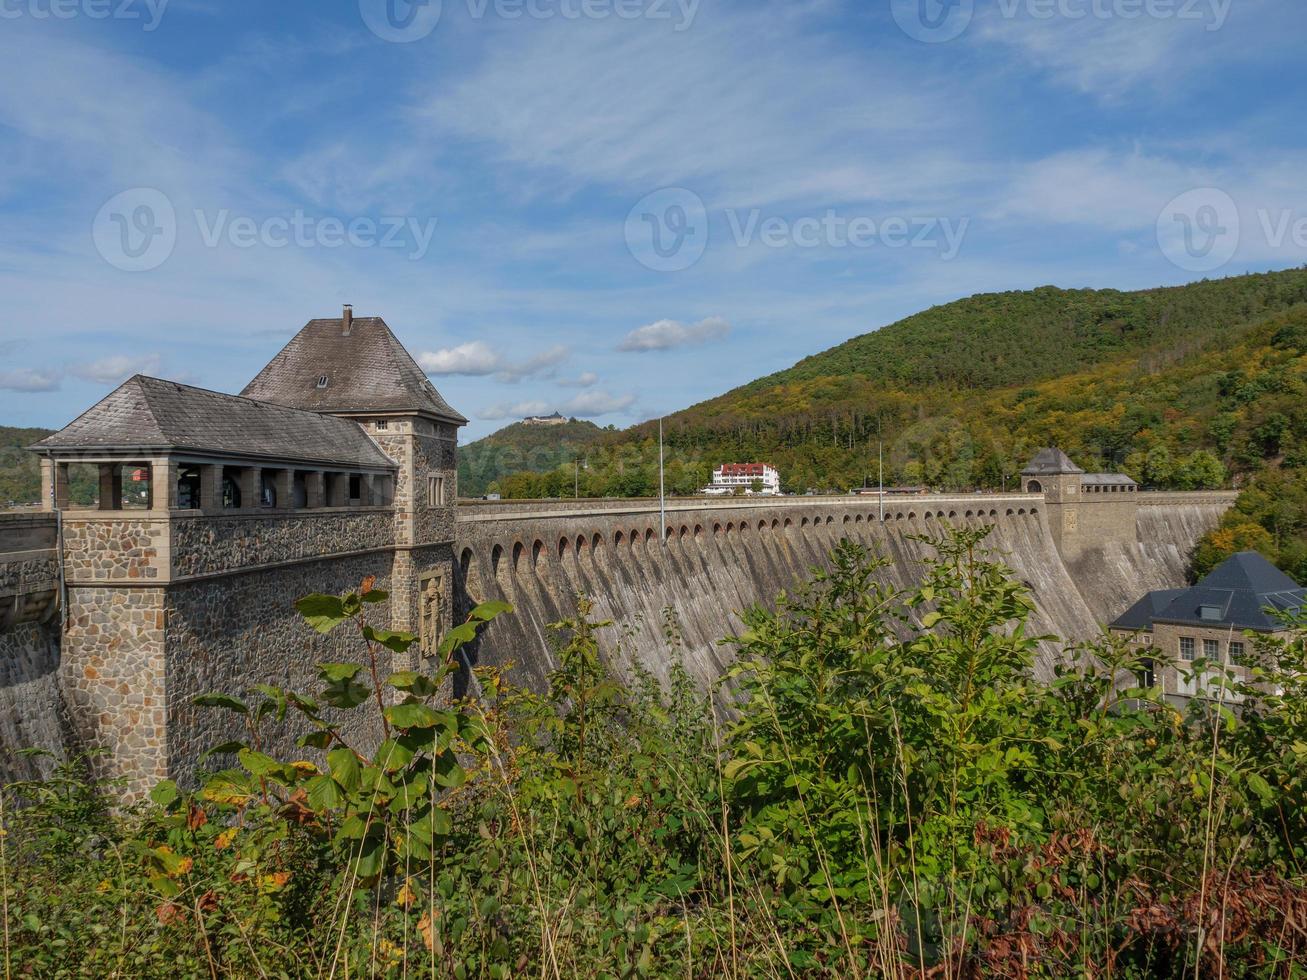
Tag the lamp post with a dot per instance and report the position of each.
(662, 489)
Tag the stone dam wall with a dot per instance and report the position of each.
(724, 556)
(32, 713)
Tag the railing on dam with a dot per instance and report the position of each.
(896, 506)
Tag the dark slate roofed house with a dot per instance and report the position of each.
(1241, 593)
(350, 366)
(148, 415)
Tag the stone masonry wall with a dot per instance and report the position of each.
(117, 548)
(112, 675)
(230, 633)
(208, 545)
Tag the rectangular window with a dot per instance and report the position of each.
(382, 425)
(435, 491)
(1236, 651)
(1211, 649)
(1188, 649)
(355, 487)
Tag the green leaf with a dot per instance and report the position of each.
(412, 714)
(930, 619)
(344, 765)
(1261, 787)
(319, 739)
(371, 857)
(457, 637)
(346, 694)
(392, 754)
(376, 595)
(489, 610)
(324, 793)
(331, 673)
(259, 764)
(352, 828)
(165, 794)
(216, 700)
(410, 681)
(223, 748)
(391, 640)
(323, 612)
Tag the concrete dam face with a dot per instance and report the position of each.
(722, 557)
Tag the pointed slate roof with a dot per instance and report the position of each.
(148, 414)
(1050, 461)
(1237, 594)
(367, 370)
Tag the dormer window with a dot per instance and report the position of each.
(1212, 613)
(322, 381)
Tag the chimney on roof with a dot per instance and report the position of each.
(347, 319)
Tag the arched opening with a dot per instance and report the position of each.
(698, 532)
(562, 547)
(858, 519)
(537, 552)
(846, 518)
(788, 522)
(717, 530)
(496, 557)
(618, 538)
(518, 551)
(1034, 486)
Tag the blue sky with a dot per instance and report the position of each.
(613, 208)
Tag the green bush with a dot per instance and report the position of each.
(880, 787)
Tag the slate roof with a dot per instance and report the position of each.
(1050, 461)
(146, 414)
(367, 370)
(1240, 589)
(1108, 480)
(1140, 616)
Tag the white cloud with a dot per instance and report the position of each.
(30, 379)
(478, 359)
(473, 358)
(541, 364)
(666, 334)
(742, 74)
(586, 379)
(514, 410)
(116, 368)
(592, 404)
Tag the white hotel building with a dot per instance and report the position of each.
(735, 477)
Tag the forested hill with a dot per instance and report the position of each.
(483, 465)
(997, 340)
(20, 472)
(1185, 386)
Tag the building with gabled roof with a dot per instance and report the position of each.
(1210, 621)
(1085, 510)
(215, 512)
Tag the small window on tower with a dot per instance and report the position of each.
(435, 491)
(322, 381)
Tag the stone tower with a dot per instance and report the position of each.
(1085, 510)
(355, 368)
(216, 512)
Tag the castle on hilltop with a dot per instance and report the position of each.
(336, 463)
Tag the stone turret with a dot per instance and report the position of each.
(215, 512)
(1085, 510)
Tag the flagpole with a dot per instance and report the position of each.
(662, 488)
(880, 467)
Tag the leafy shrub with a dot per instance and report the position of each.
(884, 788)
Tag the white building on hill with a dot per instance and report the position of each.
(741, 477)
